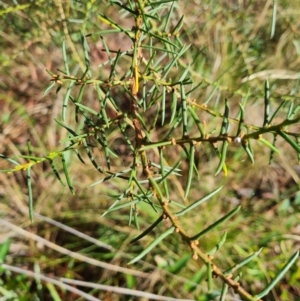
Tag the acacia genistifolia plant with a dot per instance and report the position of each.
(148, 102)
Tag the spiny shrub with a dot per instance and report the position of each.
(146, 102)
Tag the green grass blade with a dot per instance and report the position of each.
(273, 19)
(123, 131)
(293, 111)
(211, 94)
(222, 164)
(194, 166)
(90, 156)
(131, 11)
(114, 65)
(241, 122)
(183, 112)
(152, 245)
(163, 106)
(30, 198)
(67, 128)
(156, 188)
(121, 206)
(58, 88)
(154, 145)
(290, 113)
(120, 197)
(223, 292)
(162, 171)
(135, 218)
(179, 24)
(219, 245)
(84, 75)
(65, 58)
(199, 202)
(277, 110)
(32, 158)
(217, 223)
(148, 230)
(29, 188)
(197, 278)
(247, 147)
(112, 176)
(171, 171)
(197, 121)
(106, 149)
(149, 63)
(267, 104)
(69, 183)
(66, 100)
(173, 106)
(49, 88)
(53, 292)
(270, 286)
(225, 123)
(130, 213)
(179, 264)
(298, 143)
(292, 143)
(113, 24)
(190, 171)
(245, 98)
(4, 249)
(86, 109)
(170, 12)
(102, 103)
(272, 152)
(269, 145)
(243, 262)
(161, 2)
(78, 100)
(183, 78)
(154, 91)
(155, 117)
(195, 88)
(103, 32)
(86, 53)
(9, 160)
(209, 278)
(156, 64)
(160, 38)
(168, 68)
(56, 172)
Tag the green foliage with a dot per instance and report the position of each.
(4, 247)
(145, 97)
